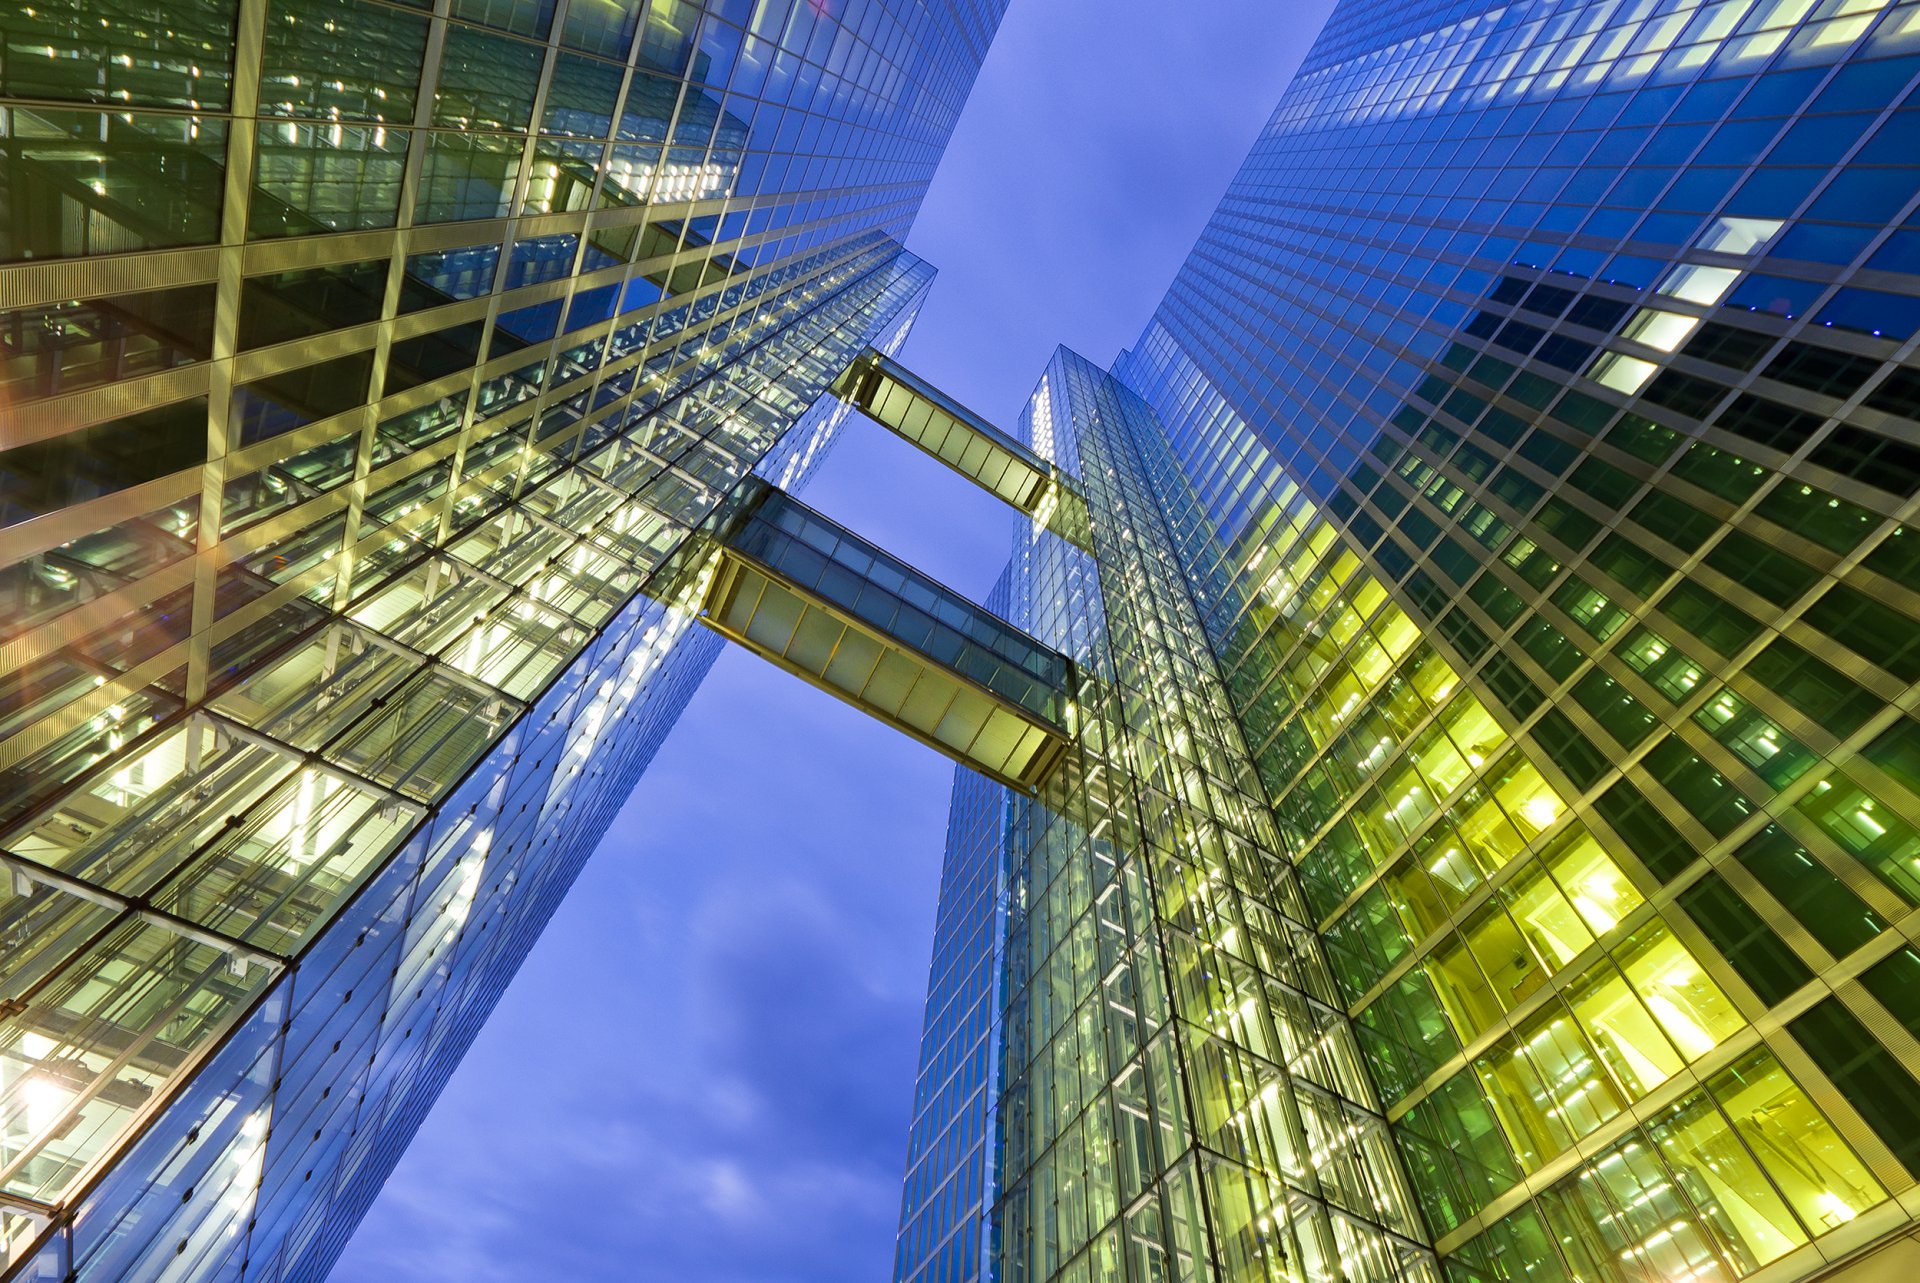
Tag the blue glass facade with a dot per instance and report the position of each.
(371, 377)
(1532, 430)
(944, 1230)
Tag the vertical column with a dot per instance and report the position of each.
(1184, 1097)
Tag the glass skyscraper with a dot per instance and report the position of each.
(372, 378)
(1491, 841)
(1443, 789)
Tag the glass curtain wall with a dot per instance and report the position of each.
(1540, 402)
(1180, 1096)
(368, 374)
(1536, 435)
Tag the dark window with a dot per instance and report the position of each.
(297, 305)
(282, 402)
(1509, 290)
(1703, 791)
(1867, 1075)
(1519, 337)
(1769, 423)
(1609, 703)
(1548, 300)
(1718, 472)
(1633, 566)
(1570, 750)
(1512, 687)
(1566, 523)
(1819, 691)
(1565, 352)
(1520, 493)
(1887, 465)
(1467, 637)
(1819, 369)
(1898, 393)
(1582, 412)
(1471, 462)
(1643, 438)
(1816, 515)
(1680, 524)
(1500, 602)
(1743, 938)
(1863, 625)
(1684, 394)
(1644, 830)
(1598, 313)
(1897, 752)
(427, 357)
(1823, 904)
(1604, 482)
(1418, 529)
(1729, 346)
(1709, 617)
(1394, 560)
(1502, 427)
(1774, 575)
(1548, 452)
(1365, 529)
(83, 464)
(1552, 651)
(1896, 983)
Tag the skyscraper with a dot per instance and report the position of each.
(372, 376)
(1442, 793)
(1488, 844)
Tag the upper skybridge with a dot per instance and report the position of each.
(897, 399)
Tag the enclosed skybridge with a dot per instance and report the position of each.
(829, 607)
(897, 399)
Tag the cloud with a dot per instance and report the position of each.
(706, 1068)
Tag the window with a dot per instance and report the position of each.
(1822, 1178)
(1868, 829)
(1702, 791)
(1866, 1073)
(1813, 687)
(1775, 756)
(1631, 1046)
(1589, 607)
(1817, 515)
(1823, 904)
(1762, 958)
(1645, 831)
(1607, 702)
(1747, 1220)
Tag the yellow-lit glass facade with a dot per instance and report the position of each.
(1531, 433)
(372, 377)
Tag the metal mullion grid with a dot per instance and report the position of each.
(419, 139)
(511, 463)
(1422, 948)
(1637, 683)
(463, 682)
(472, 431)
(243, 108)
(170, 1087)
(550, 392)
(1709, 958)
(513, 220)
(1766, 1028)
(1579, 810)
(1149, 633)
(132, 681)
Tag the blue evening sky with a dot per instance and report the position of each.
(704, 1072)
